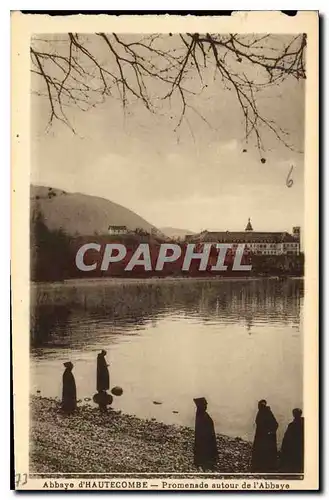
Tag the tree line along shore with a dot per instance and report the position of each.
(55, 246)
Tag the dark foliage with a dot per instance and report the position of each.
(50, 251)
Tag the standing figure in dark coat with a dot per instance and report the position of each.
(103, 382)
(205, 446)
(103, 377)
(292, 449)
(264, 450)
(69, 394)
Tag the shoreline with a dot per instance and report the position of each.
(165, 279)
(91, 442)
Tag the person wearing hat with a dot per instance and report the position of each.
(103, 377)
(69, 394)
(292, 449)
(205, 445)
(264, 451)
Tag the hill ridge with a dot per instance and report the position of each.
(82, 214)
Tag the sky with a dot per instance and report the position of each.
(196, 177)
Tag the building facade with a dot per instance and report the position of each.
(115, 230)
(256, 242)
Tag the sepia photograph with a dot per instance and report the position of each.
(167, 230)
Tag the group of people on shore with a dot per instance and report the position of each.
(69, 391)
(265, 457)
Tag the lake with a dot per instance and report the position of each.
(170, 340)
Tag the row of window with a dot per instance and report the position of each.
(273, 245)
(275, 252)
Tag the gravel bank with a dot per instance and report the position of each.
(90, 441)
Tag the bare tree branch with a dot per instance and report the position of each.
(77, 71)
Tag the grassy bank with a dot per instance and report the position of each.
(90, 441)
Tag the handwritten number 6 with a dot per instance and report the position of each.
(289, 181)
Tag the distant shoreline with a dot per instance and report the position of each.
(120, 280)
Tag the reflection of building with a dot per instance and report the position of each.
(261, 243)
(117, 229)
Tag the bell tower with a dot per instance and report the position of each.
(249, 226)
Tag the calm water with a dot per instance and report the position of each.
(234, 342)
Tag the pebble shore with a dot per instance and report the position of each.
(93, 442)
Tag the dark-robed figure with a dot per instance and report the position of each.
(103, 377)
(264, 450)
(292, 449)
(69, 394)
(205, 446)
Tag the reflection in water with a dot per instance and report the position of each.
(233, 342)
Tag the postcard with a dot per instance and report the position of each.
(165, 252)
